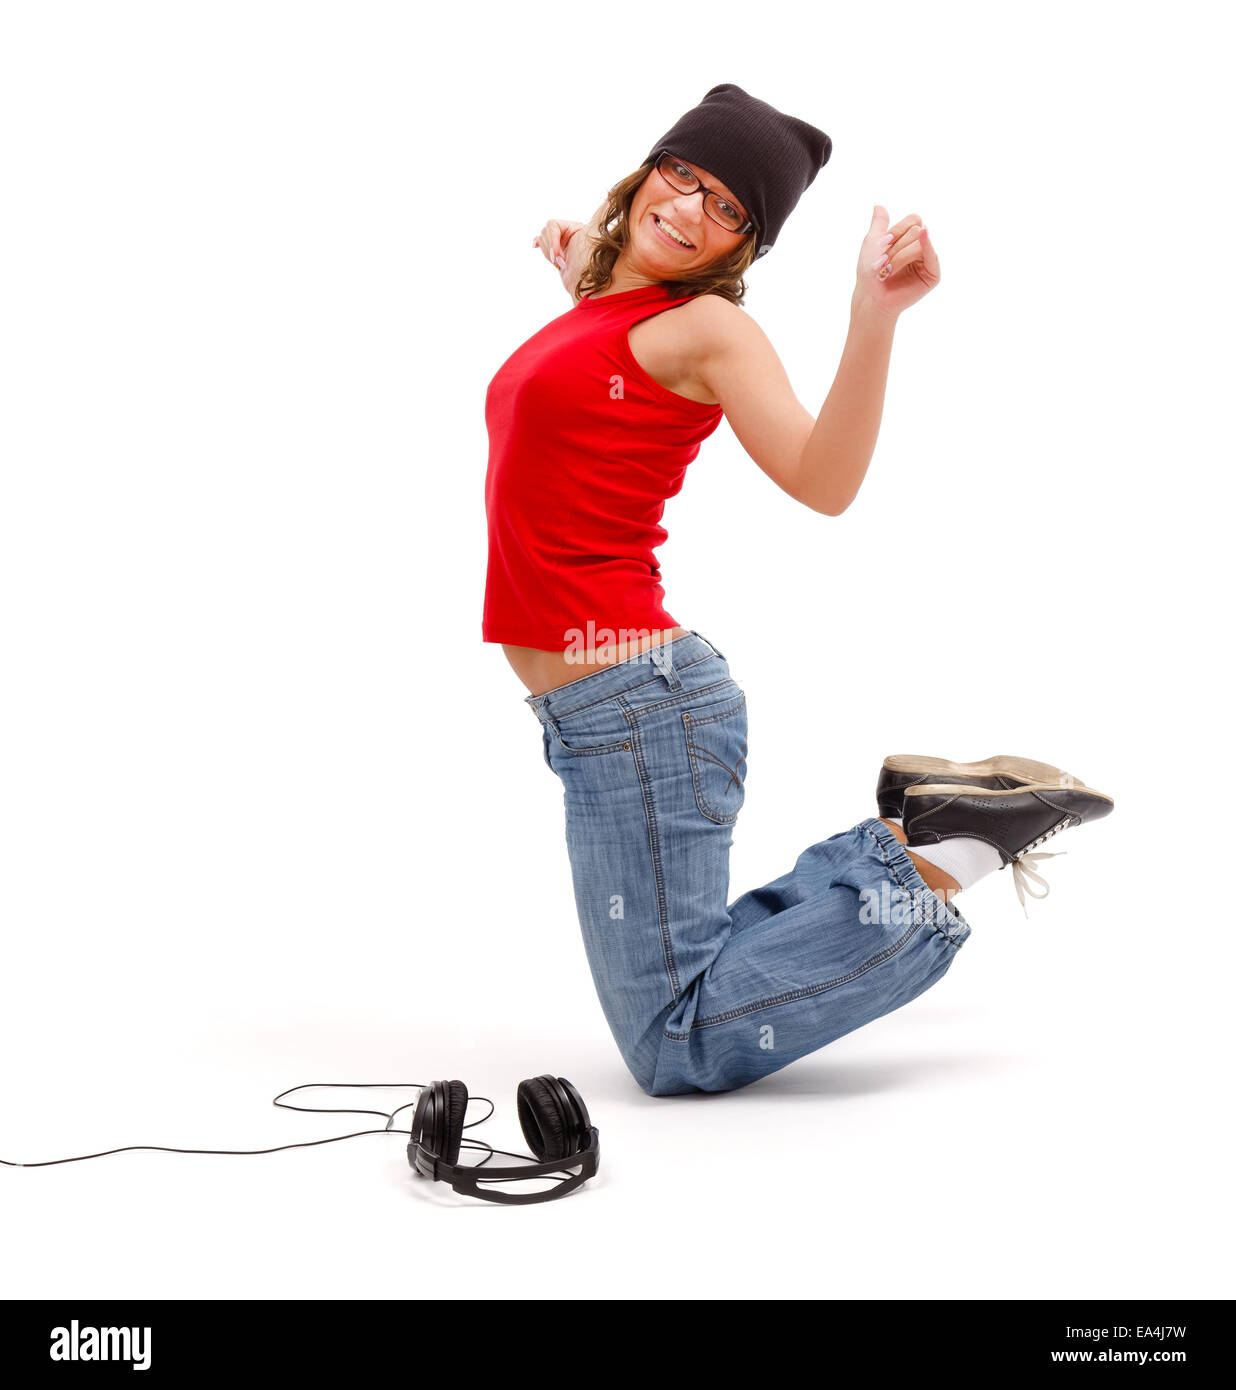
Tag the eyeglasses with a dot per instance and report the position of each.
(718, 209)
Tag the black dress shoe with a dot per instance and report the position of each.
(1015, 823)
(1000, 773)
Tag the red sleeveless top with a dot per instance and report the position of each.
(584, 450)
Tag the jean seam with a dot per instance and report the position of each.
(683, 697)
(721, 714)
(810, 991)
(676, 698)
(603, 748)
(654, 845)
(631, 715)
(652, 680)
(806, 993)
(694, 755)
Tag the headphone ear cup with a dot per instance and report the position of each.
(547, 1118)
(437, 1122)
(455, 1106)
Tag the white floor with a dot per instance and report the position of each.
(1041, 1124)
(270, 812)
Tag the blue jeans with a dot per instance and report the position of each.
(703, 994)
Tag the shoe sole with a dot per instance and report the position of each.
(1002, 765)
(963, 789)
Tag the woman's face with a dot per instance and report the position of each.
(659, 210)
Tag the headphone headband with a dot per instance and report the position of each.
(555, 1123)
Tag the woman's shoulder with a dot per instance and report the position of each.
(706, 316)
(711, 322)
(714, 309)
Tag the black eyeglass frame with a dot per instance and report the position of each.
(663, 155)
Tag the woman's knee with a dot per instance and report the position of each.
(650, 1076)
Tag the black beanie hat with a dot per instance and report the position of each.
(767, 158)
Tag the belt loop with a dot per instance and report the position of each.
(536, 703)
(665, 665)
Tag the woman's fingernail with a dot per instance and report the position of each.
(886, 239)
(875, 265)
(884, 272)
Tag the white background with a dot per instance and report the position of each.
(271, 812)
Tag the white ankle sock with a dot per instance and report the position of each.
(961, 858)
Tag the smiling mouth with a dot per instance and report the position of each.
(667, 229)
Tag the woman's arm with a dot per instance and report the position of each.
(820, 462)
(568, 245)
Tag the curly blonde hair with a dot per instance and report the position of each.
(722, 277)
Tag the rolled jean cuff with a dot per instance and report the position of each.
(921, 898)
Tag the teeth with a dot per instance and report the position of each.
(669, 231)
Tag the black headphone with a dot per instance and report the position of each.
(555, 1122)
(552, 1115)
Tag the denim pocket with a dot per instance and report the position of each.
(717, 747)
(601, 728)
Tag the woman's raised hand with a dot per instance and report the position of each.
(897, 265)
(553, 240)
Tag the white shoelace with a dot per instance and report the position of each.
(1024, 871)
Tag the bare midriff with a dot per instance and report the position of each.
(546, 670)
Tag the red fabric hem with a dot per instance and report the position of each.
(554, 639)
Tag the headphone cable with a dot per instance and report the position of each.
(308, 1109)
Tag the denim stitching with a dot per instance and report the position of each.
(707, 757)
(654, 845)
(640, 710)
(626, 690)
(630, 715)
(591, 752)
(952, 939)
(812, 990)
(694, 753)
(721, 714)
(631, 661)
(684, 697)
(805, 993)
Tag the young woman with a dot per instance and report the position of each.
(592, 423)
